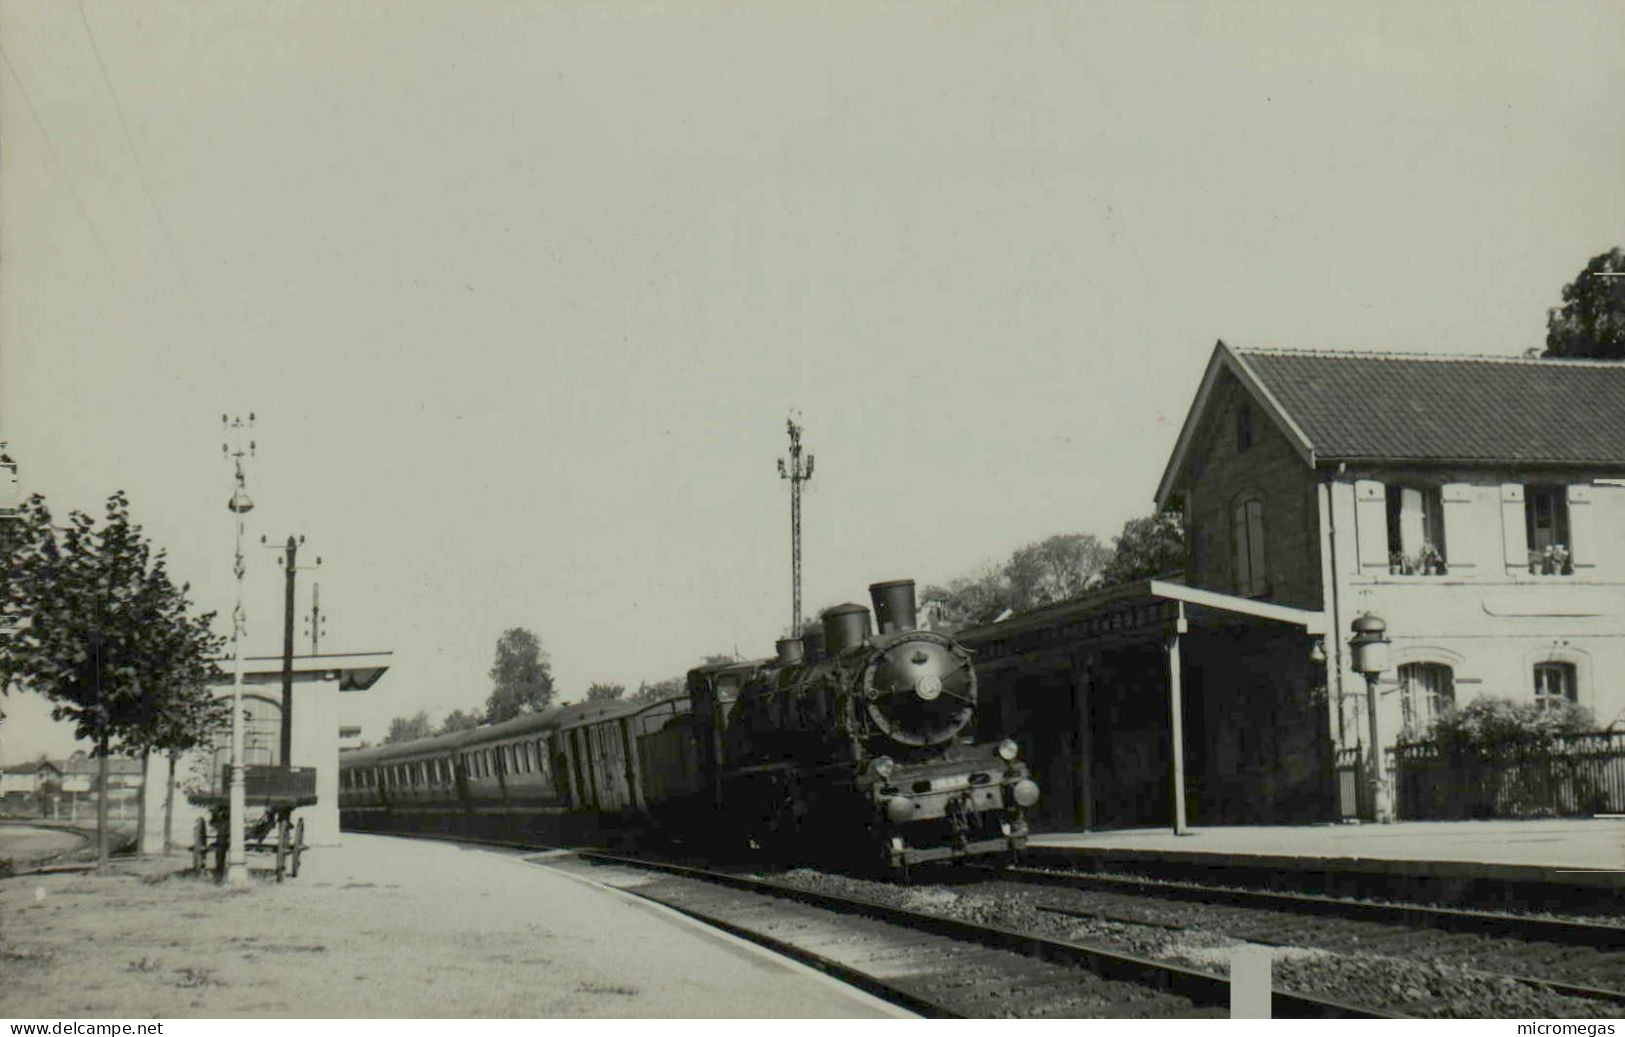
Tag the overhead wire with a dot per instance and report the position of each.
(129, 142)
(56, 160)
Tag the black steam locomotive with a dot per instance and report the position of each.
(853, 744)
(862, 733)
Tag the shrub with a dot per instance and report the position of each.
(1501, 726)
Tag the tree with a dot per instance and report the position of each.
(521, 677)
(1148, 546)
(185, 722)
(979, 598)
(103, 632)
(671, 687)
(406, 729)
(1591, 321)
(1055, 569)
(605, 692)
(459, 720)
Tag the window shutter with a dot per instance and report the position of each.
(1371, 525)
(1583, 547)
(1514, 536)
(1255, 546)
(1464, 546)
(1238, 549)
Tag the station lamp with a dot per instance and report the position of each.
(1368, 652)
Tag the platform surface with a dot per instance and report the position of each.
(384, 927)
(1596, 844)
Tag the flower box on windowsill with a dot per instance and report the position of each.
(1428, 562)
(1551, 561)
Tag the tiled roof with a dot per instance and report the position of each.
(1398, 407)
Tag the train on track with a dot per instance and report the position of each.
(853, 744)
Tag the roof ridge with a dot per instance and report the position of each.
(1369, 354)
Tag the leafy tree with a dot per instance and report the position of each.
(521, 676)
(671, 687)
(1055, 569)
(605, 692)
(104, 633)
(1591, 321)
(184, 722)
(978, 598)
(406, 729)
(1147, 546)
(459, 720)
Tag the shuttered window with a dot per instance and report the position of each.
(1415, 530)
(1247, 541)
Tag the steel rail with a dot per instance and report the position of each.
(1555, 986)
(1450, 919)
(1203, 988)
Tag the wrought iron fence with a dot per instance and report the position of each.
(1578, 774)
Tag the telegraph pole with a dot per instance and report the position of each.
(797, 474)
(240, 505)
(290, 565)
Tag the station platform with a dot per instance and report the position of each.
(382, 927)
(1565, 852)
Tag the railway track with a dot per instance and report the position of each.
(936, 965)
(1333, 956)
(1567, 958)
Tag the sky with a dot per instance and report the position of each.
(522, 294)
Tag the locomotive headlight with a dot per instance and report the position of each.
(884, 765)
(1025, 792)
(1008, 750)
(901, 808)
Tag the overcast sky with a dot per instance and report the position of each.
(523, 292)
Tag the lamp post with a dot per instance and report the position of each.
(1368, 650)
(237, 803)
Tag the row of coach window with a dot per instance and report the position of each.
(528, 757)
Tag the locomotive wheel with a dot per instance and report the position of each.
(200, 845)
(297, 849)
(281, 848)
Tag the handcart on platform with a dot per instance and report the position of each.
(271, 795)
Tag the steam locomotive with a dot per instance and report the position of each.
(852, 743)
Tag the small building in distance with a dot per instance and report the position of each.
(21, 783)
(1476, 504)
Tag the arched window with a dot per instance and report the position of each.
(1555, 684)
(1426, 691)
(1247, 544)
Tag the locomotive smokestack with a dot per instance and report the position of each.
(789, 649)
(812, 642)
(845, 626)
(894, 605)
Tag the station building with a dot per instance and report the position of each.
(1476, 504)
